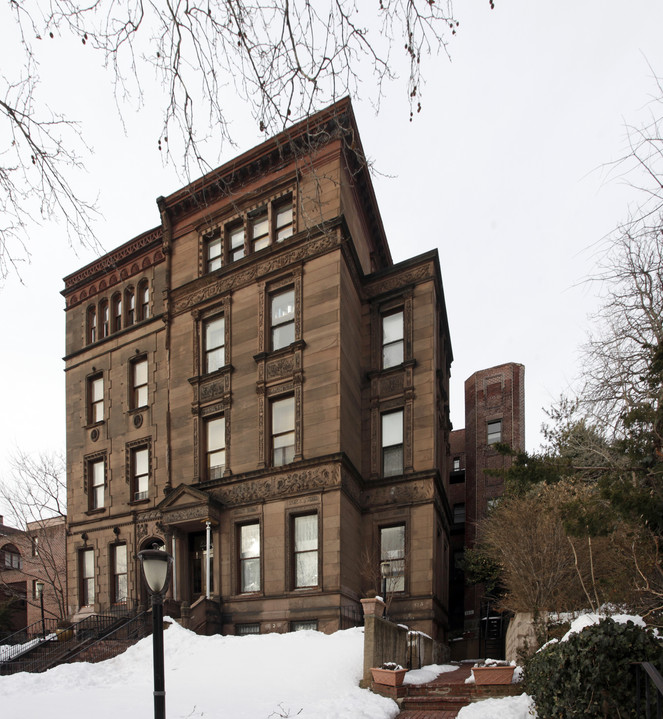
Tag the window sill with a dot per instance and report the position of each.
(142, 408)
(99, 510)
(282, 351)
(134, 502)
(95, 425)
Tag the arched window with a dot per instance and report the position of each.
(129, 307)
(11, 557)
(104, 319)
(116, 310)
(144, 299)
(91, 324)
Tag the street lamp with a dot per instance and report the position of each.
(39, 586)
(155, 564)
(385, 568)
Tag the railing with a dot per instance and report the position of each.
(25, 639)
(107, 646)
(648, 691)
(351, 617)
(52, 649)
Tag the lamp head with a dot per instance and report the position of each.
(156, 564)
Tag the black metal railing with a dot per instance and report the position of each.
(24, 640)
(648, 691)
(115, 641)
(56, 646)
(351, 617)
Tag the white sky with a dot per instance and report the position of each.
(503, 171)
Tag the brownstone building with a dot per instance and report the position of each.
(256, 386)
(494, 412)
(36, 554)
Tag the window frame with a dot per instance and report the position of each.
(135, 387)
(207, 351)
(209, 451)
(86, 583)
(280, 325)
(12, 558)
(96, 490)
(143, 297)
(401, 574)
(213, 262)
(243, 561)
(295, 553)
(496, 436)
(91, 324)
(104, 319)
(116, 312)
(92, 403)
(275, 435)
(389, 448)
(115, 575)
(129, 307)
(137, 478)
(247, 629)
(399, 341)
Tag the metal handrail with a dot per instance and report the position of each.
(652, 679)
(132, 629)
(24, 640)
(52, 651)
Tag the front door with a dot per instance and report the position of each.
(198, 565)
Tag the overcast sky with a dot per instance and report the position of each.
(505, 172)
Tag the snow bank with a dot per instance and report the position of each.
(428, 673)
(305, 674)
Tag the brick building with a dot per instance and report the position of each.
(30, 556)
(256, 386)
(494, 412)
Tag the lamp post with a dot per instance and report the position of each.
(384, 573)
(155, 564)
(39, 586)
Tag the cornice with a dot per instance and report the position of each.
(126, 261)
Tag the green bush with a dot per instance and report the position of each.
(590, 674)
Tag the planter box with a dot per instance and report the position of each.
(372, 606)
(389, 677)
(493, 675)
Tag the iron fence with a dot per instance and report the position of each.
(648, 691)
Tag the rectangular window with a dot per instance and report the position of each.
(86, 558)
(494, 431)
(392, 339)
(130, 307)
(283, 225)
(139, 383)
(249, 557)
(92, 324)
(35, 546)
(35, 591)
(242, 630)
(96, 482)
(305, 531)
(311, 626)
(459, 513)
(282, 314)
(119, 564)
(144, 300)
(95, 393)
(456, 464)
(392, 557)
(283, 431)
(259, 225)
(215, 338)
(140, 473)
(236, 243)
(392, 443)
(213, 251)
(215, 447)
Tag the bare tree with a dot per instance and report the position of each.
(36, 498)
(282, 58)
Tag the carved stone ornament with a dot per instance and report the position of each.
(314, 478)
(138, 420)
(413, 276)
(94, 434)
(404, 493)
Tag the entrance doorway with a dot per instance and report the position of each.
(198, 565)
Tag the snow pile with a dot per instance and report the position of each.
(305, 674)
(428, 673)
(506, 708)
(587, 620)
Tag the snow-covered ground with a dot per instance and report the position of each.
(308, 675)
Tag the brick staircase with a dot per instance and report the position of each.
(445, 696)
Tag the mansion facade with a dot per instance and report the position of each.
(255, 386)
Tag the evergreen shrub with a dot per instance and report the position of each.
(591, 674)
